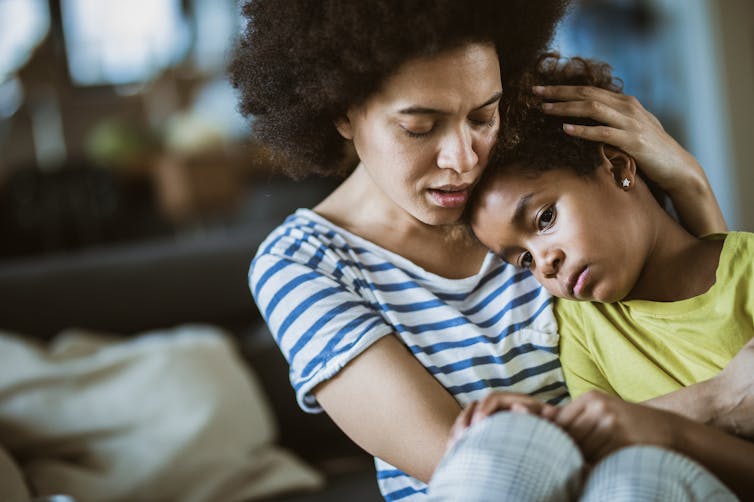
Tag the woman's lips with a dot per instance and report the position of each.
(450, 198)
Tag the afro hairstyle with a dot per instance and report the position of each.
(301, 64)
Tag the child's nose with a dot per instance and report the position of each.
(552, 261)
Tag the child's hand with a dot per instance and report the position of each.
(601, 424)
(494, 402)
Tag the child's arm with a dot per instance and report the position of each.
(637, 132)
(725, 401)
(601, 424)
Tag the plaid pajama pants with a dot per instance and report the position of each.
(523, 458)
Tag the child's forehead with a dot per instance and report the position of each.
(519, 180)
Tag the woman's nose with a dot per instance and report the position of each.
(457, 152)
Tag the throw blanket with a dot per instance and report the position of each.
(172, 416)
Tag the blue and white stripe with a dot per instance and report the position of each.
(327, 295)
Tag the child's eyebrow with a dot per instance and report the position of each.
(521, 206)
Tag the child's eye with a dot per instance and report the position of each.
(526, 260)
(546, 218)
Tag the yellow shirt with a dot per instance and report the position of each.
(640, 349)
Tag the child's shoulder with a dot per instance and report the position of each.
(737, 244)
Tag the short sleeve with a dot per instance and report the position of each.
(581, 373)
(310, 300)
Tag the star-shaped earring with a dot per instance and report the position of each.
(626, 183)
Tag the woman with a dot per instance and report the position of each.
(390, 318)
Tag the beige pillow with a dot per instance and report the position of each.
(168, 415)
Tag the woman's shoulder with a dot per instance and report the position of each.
(301, 235)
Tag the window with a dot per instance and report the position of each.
(116, 42)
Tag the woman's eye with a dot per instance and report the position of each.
(484, 121)
(526, 260)
(417, 134)
(546, 218)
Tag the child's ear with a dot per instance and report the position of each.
(343, 125)
(622, 166)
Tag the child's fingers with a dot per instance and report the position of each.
(599, 442)
(582, 426)
(550, 412)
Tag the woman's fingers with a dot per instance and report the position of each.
(596, 99)
(497, 401)
(595, 110)
(580, 93)
(619, 138)
(463, 421)
(464, 418)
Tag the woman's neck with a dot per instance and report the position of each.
(680, 266)
(359, 207)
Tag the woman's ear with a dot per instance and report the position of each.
(343, 125)
(622, 166)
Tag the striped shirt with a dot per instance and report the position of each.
(327, 295)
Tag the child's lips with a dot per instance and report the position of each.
(577, 281)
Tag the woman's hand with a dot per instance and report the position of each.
(629, 126)
(600, 424)
(494, 402)
(734, 394)
(725, 401)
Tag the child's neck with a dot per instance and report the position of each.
(680, 266)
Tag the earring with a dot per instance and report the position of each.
(625, 183)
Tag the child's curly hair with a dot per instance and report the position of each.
(535, 140)
(301, 64)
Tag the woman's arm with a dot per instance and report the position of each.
(630, 127)
(725, 401)
(388, 403)
(600, 424)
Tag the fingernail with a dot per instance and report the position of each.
(538, 89)
(569, 127)
(517, 408)
(547, 106)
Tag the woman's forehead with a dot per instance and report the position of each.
(469, 74)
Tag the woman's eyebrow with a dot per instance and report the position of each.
(496, 97)
(422, 110)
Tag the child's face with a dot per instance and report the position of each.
(583, 238)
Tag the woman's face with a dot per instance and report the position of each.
(425, 137)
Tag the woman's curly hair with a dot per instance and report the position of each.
(536, 141)
(301, 64)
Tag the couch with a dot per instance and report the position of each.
(199, 277)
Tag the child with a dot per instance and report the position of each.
(644, 308)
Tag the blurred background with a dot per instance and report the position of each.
(117, 123)
(133, 195)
